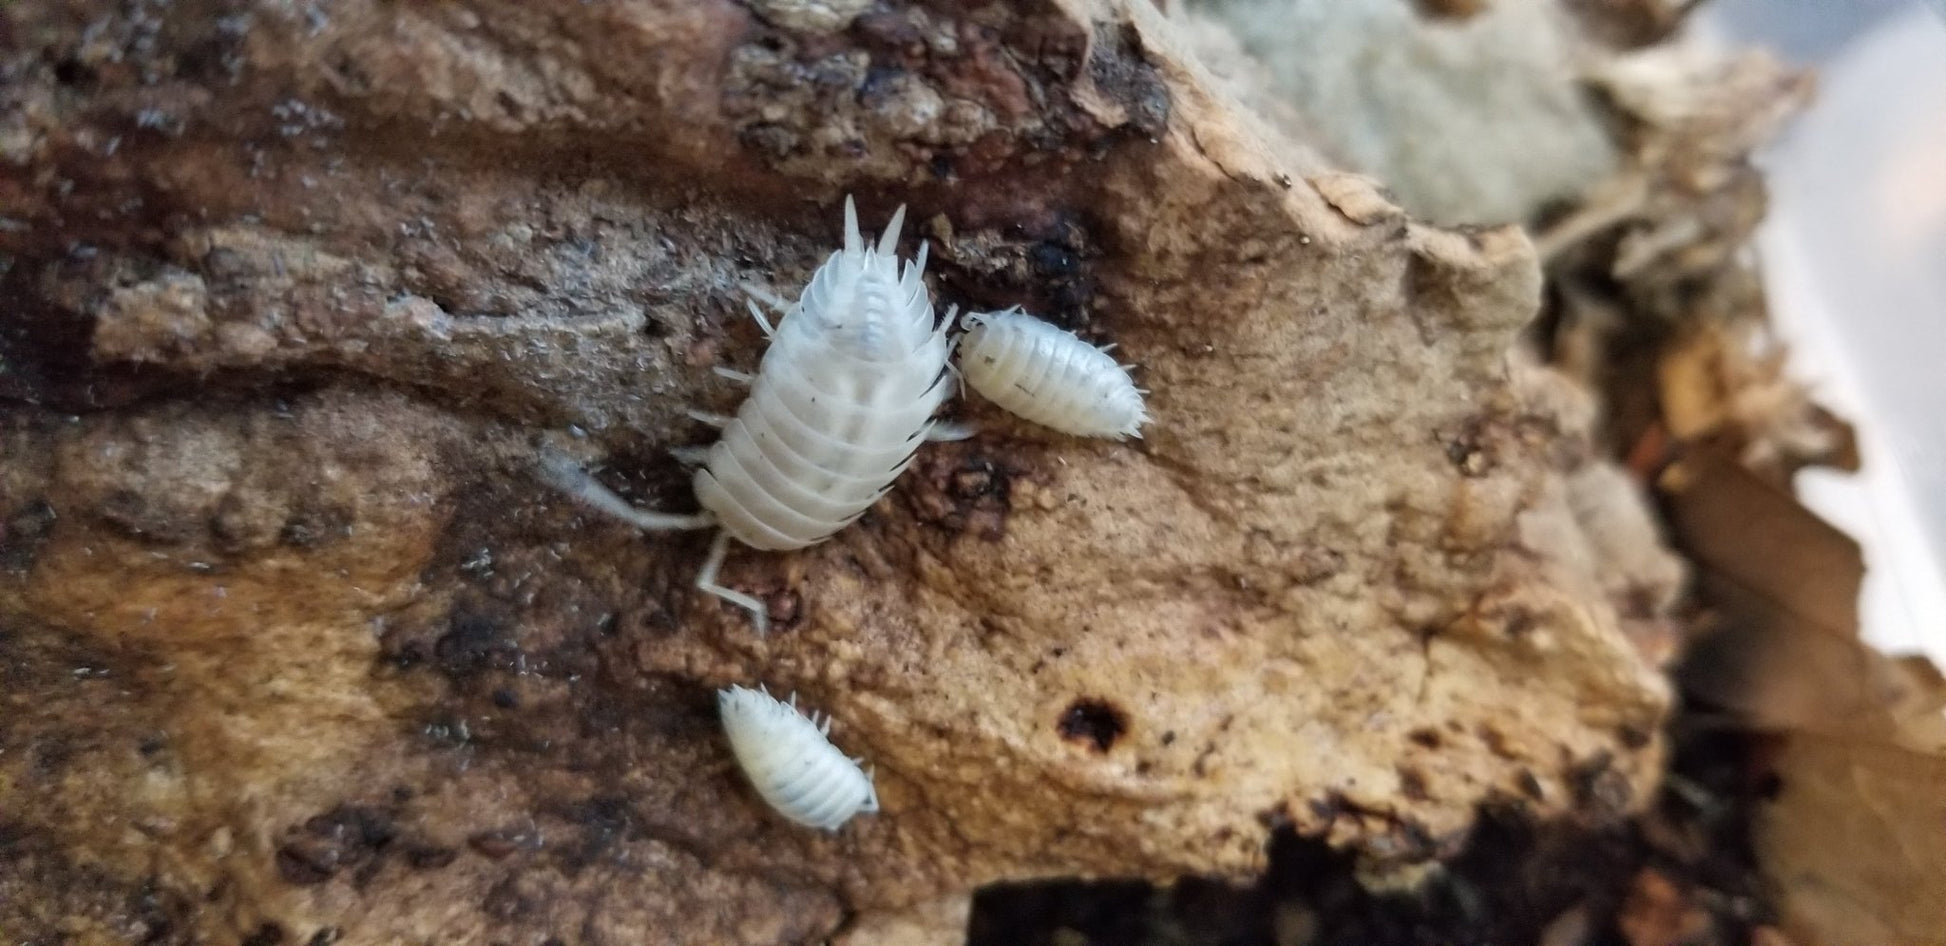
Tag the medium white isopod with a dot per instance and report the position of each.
(844, 395)
(791, 762)
(1048, 375)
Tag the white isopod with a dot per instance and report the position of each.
(791, 762)
(1049, 376)
(842, 399)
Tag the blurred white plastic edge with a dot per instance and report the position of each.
(1858, 292)
(1902, 608)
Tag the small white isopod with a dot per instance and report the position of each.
(843, 397)
(791, 762)
(1048, 375)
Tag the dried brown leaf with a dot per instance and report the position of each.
(1853, 842)
(1730, 379)
(1856, 842)
(1746, 531)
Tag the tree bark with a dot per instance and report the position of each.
(294, 648)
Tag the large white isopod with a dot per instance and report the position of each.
(845, 394)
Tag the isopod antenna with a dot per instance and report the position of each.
(567, 476)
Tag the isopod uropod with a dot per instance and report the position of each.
(1049, 376)
(791, 762)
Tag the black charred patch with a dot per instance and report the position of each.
(1093, 721)
(1044, 262)
(355, 842)
(1054, 260)
(476, 642)
(348, 837)
(1065, 280)
(1114, 911)
(962, 491)
(70, 71)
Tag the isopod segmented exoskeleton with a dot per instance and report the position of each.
(842, 399)
(791, 761)
(1048, 375)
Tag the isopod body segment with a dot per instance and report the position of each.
(1048, 375)
(790, 761)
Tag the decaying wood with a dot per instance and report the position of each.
(1659, 308)
(292, 644)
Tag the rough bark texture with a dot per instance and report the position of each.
(294, 650)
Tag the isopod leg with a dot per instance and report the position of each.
(706, 582)
(714, 420)
(947, 431)
(741, 377)
(758, 314)
(690, 456)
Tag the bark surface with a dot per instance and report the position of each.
(293, 647)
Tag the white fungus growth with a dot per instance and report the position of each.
(1482, 120)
